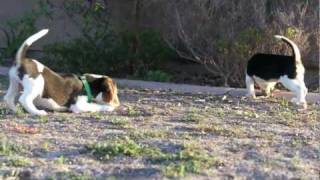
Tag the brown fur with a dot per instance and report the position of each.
(111, 94)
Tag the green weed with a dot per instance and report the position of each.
(61, 160)
(16, 161)
(188, 159)
(7, 148)
(69, 176)
(234, 131)
(132, 112)
(108, 150)
(122, 122)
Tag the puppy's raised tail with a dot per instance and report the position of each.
(20, 56)
(294, 47)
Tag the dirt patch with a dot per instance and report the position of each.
(157, 134)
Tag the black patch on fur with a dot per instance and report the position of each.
(271, 66)
(28, 67)
(96, 85)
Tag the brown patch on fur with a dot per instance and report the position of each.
(111, 93)
(28, 67)
(62, 88)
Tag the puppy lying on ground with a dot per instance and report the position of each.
(46, 89)
(268, 69)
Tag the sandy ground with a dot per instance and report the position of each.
(255, 139)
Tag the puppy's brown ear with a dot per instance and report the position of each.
(111, 93)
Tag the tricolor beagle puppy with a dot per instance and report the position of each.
(268, 69)
(44, 89)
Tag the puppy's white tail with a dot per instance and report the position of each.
(294, 47)
(20, 56)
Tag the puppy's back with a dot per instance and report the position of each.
(271, 66)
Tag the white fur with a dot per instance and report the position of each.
(294, 46)
(29, 42)
(13, 90)
(99, 98)
(48, 103)
(300, 72)
(95, 75)
(82, 105)
(250, 86)
(296, 86)
(36, 36)
(32, 88)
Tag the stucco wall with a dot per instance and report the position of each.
(60, 26)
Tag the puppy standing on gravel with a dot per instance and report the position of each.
(46, 89)
(268, 69)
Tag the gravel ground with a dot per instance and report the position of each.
(255, 139)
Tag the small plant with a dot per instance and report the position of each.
(189, 159)
(45, 146)
(147, 134)
(43, 119)
(120, 121)
(174, 170)
(217, 112)
(193, 117)
(70, 176)
(132, 111)
(291, 32)
(125, 147)
(284, 102)
(287, 118)
(296, 163)
(7, 148)
(234, 131)
(17, 162)
(61, 160)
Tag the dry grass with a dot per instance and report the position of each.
(165, 134)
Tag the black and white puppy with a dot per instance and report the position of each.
(46, 89)
(268, 69)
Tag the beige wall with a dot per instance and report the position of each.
(61, 27)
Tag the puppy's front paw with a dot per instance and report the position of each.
(74, 109)
(107, 108)
(249, 95)
(42, 113)
(294, 100)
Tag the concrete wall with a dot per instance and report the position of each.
(61, 28)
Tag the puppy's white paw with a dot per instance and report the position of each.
(294, 100)
(74, 109)
(41, 113)
(107, 108)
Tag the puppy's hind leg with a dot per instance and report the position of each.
(297, 87)
(32, 89)
(13, 90)
(250, 87)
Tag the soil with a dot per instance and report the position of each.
(254, 139)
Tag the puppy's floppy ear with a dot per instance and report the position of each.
(111, 93)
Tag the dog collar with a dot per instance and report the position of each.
(87, 88)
